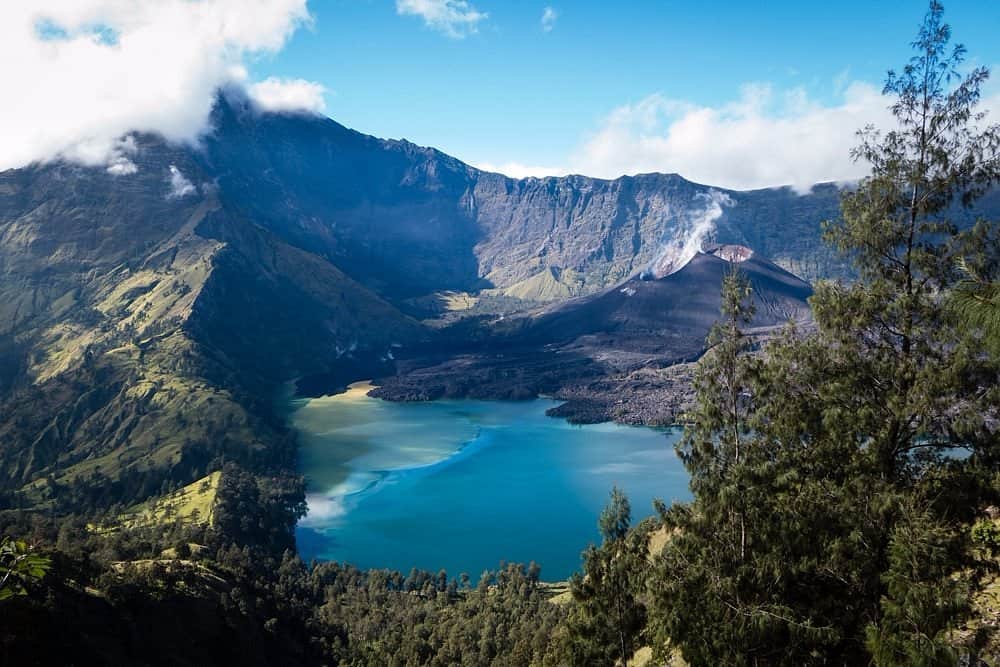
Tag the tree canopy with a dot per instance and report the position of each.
(836, 473)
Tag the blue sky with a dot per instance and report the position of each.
(510, 92)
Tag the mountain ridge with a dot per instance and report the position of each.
(368, 203)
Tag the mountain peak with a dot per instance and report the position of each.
(731, 252)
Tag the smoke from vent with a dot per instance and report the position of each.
(687, 236)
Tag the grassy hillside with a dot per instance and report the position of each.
(191, 505)
(135, 328)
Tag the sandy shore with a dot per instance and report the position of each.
(317, 418)
(356, 391)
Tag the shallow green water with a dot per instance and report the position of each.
(462, 485)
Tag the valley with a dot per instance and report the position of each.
(306, 251)
(314, 243)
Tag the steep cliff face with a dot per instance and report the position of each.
(407, 220)
(392, 215)
(609, 231)
(605, 230)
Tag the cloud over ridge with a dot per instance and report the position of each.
(274, 94)
(763, 139)
(180, 186)
(91, 71)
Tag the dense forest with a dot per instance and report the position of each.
(846, 481)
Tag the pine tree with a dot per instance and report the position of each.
(893, 323)
(727, 588)
(922, 598)
(830, 510)
(714, 447)
(608, 615)
(976, 298)
(916, 382)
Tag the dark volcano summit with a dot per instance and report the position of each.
(672, 315)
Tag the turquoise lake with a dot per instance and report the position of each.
(463, 485)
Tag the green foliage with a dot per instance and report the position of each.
(836, 476)
(975, 299)
(978, 301)
(986, 534)
(19, 565)
(923, 594)
(259, 509)
(733, 584)
(608, 615)
(239, 603)
(425, 619)
(716, 438)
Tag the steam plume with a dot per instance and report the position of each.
(692, 228)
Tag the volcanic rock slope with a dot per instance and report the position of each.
(670, 316)
(621, 354)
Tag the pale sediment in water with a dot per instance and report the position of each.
(461, 484)
(351, 437)
(356, 391)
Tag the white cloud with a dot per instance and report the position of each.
(518, 170)
(274, 94)
(763, 139)
(549, 16)
(81, 74)
(180, 186)
(454, 18)
(120, 163)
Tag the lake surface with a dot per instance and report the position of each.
(462, 485)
